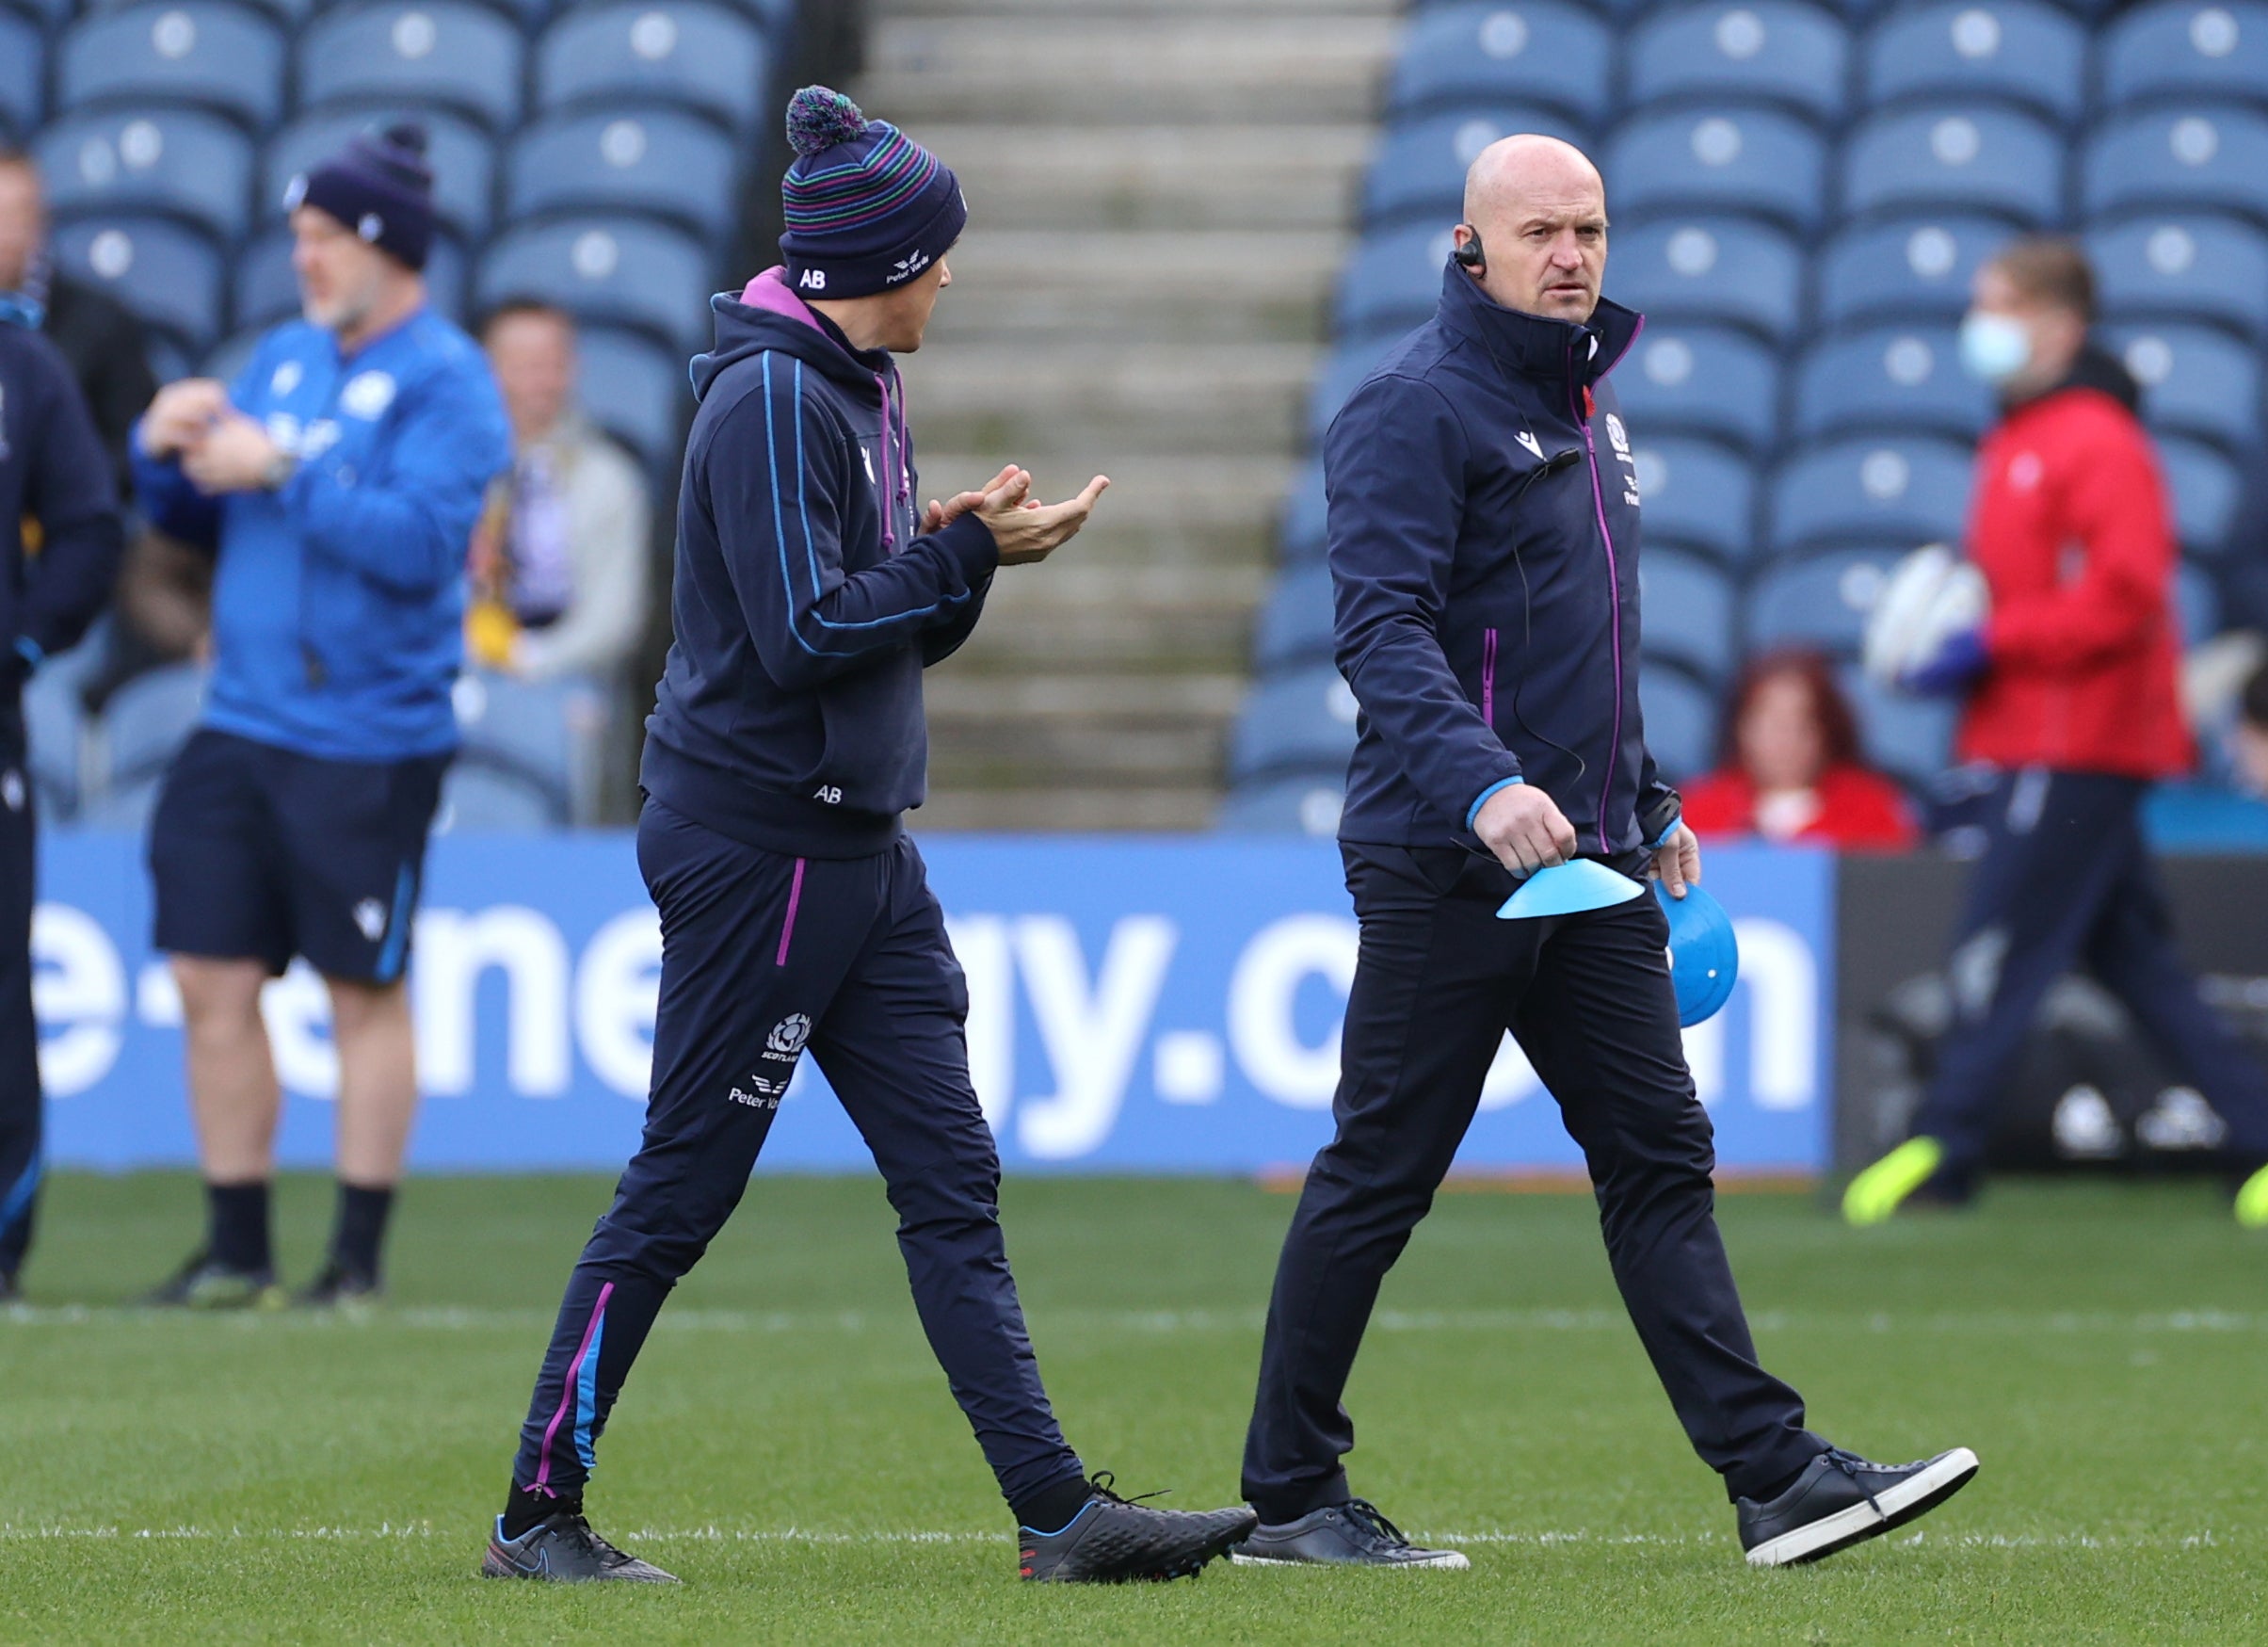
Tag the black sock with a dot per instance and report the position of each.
(525, 1506)
(361, 1226)
(237, 1213)
(1050, 1509)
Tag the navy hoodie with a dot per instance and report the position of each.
(1484, 553)
(790, 711)
(54, 471)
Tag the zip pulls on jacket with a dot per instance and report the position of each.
(1579, 403)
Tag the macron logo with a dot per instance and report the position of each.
(1529, 441)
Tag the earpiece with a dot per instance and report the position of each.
(1469, 255)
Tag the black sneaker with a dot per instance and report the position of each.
(1112, 1539)
(339, 1288)
(204, 1285)
(1353, 1534)
(1840, 1500)
(562, 1549)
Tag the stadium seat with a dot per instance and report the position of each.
(1300, 536)
(1778, 50)
(1909, 270)
(267, 290)
(1696, 494)
(1893, 378)
(2198, 603)
(1820, 601)
(1710, 268)
(2211, 155)
(2193, 268)
(480, 799)
(2204, 487)
(1535, 50)
(531, 729)
(2184, 49)
(2017, 50)
(636, 392)
(227, 359)
(147, 720)
(1418, 168)
(1680, 722)
(1966, 158)
(1294, 806)
(54, 731)
(1392, 281)
(618, 270)
(1295, 622)
(167, 274)
(23, 69)
(1700, 380)
(124, 808)
(660, 161)
(461, 156)
(1910, 738)
(1728, 159)
(177, 162)
(463, 55)
(1341, 375)
(1901, 492)
(1688, 607)
(199, 51)
(1300, 721)
(685, 52)
(2195, 380)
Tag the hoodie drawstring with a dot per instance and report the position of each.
(897, 495)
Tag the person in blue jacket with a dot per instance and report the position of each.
(786, 743)
(338, 480)
(1484, 506)
(60, 542)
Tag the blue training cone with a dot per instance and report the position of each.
(1568, 889)
(1704, 956)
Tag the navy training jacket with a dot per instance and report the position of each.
(54, 472)
(789, 714)
(1484, 553)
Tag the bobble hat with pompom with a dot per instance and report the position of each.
(868, 208)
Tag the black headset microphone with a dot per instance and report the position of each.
(1469, 255)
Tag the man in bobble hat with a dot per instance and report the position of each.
(337, 481)
(787, 743)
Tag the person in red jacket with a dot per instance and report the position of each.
(1790, 767)
(2071, 694)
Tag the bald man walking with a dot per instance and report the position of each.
(1483, 544)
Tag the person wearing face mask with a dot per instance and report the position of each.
(2071, 695)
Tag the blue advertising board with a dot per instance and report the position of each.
(1144, 1003)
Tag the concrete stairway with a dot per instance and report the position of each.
(1161, 194)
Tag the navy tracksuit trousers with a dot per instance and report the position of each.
(1438, 981)
(2066, 880)
(764, 957)
(20, 1116)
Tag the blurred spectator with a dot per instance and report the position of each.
(559, 564)
(1790, 767)
(2249, 741)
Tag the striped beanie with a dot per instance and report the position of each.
(868, 208)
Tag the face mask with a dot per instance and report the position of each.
(1994, 347)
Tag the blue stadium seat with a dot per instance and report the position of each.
(54, 730)
(1392, 281)
(266, 290)
(2209, 154)
(1700, 380)
(480, 798)
(1680, 722)
(1903, 492)
(2195, 380)
(1913, 269)
(2018, 50)
(1341, 375)
(1709, 268)
(1295, 805)
(2198, 603)
(525, 728)
(1300, 721)
(1818, 600)
(2204, 492)
(636, 390)
(199, 51)
(462, 158)
(226, 358)
(1697, 493)
(1294, 624)
(1688, 607)
(1966, 158)
(1778, 50)
(122, 809)
(147, 720)
(617, 270)
(170, 275)
(1419, 168)
(700, 55)
(1893, 378)
(1726, 159)
(2191, 266)
(22, 69)
(662, 161)
(1535, 50)
(169, 361)
(177, 162)
(2184, 49)
(1910, 738)
(1300, 534)
(464, 57)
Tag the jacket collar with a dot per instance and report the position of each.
(1536, 345)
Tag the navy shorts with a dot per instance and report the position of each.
(261, 853)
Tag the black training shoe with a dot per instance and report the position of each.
(1840, 1500)
(1353, 1534)
(563, 1549)
(339, 1288)
(204, 1285)
(1112, 1540)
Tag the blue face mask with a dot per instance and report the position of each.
(1993, 346)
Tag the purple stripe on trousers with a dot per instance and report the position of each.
(567, 1393)
(787, 927)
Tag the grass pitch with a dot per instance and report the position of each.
(788, 1447)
